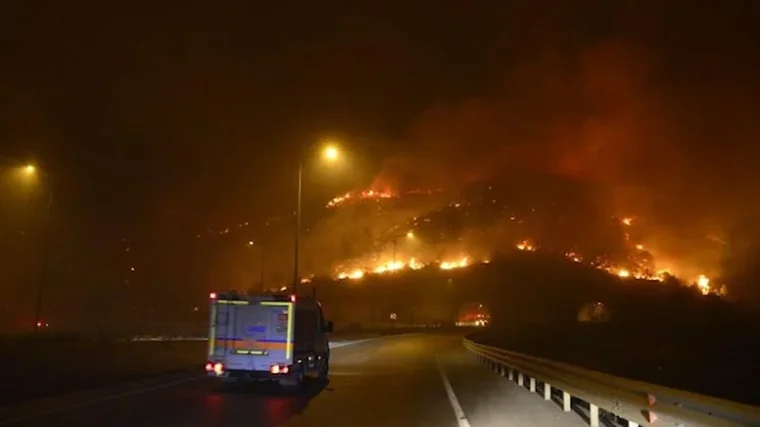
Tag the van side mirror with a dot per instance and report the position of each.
(328, 327)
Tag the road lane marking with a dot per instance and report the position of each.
(458, 412)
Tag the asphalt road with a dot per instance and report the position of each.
(408, 380)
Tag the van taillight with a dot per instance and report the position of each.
(278, 369)
(216, 368)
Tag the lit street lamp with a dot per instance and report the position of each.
(331, 154)
(32, 171)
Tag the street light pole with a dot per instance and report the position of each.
(32, 170)
(38, 322)
(330, 153)
(296, 279)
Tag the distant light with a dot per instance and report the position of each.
(39, 324)
(250, 243)
(627, 221)
(624, 273)
(131, 269)
(410, 235)
(292, 298)
(218, 368)
(275, 369)
(30, 169)
(209, 367)
(640, 247)
(212, 295)
(331, 152)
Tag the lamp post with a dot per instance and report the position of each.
(31, 171)
(38, 323)
(330, 153)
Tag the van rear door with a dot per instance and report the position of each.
(251, 335)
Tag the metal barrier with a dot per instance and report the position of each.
(636, 402)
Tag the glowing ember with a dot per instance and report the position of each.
(623, 273)
(640, 247)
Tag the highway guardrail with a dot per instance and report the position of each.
(636, 402)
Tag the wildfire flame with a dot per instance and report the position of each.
(392, 266)
(525, 246)
(366, 194)
(449, 265)
(635, 268)
(703, 283)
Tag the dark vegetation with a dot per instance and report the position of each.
(663, 333)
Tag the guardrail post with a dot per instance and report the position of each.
(520, 380)
(511, 374)
(565, 401)
(593, 415)
(532, 385)
(547, 391)
(503, 371)
(633, 424)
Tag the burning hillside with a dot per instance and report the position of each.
(374, 194)
(480, 224)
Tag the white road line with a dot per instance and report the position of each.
(458, 412)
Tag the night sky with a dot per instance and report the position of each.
(149, 115)
(189, 108)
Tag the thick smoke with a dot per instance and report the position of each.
(672, 146)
